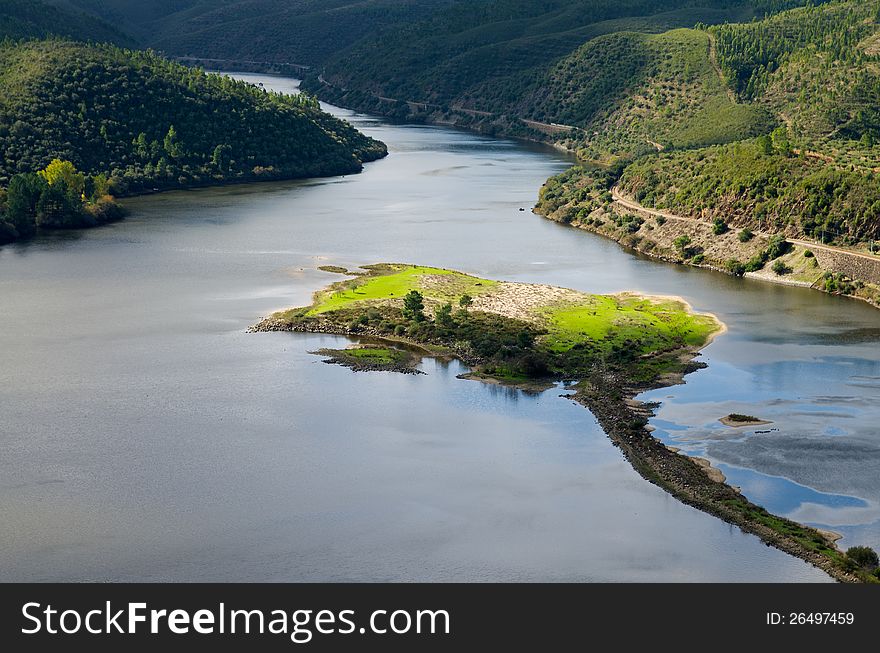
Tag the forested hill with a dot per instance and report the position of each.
(37, 19)
(138, 122)
(804, 83)
(281, 31)
(111, 110)
(458, 56)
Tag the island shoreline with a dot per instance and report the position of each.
(611, 397)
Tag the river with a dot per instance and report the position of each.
(146, 436)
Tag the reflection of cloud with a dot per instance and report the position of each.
(813, 513)
(832, 399)
(822, 413)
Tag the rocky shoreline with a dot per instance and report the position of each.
(624, 420)
(612, 400)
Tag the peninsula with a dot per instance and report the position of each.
(609, 347)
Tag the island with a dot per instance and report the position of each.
(608, 348)
(736, 420)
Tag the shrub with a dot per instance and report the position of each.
(780, 268)
(746, 235)
(682, 242)
(660, 220)
(755, 263)
(777, 247)
(863, 556)
(808, 254)
(719, 227)
(699, 258)
(736, 268)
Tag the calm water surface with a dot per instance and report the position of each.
(146, 436)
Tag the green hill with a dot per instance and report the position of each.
(485, 55)
(22, 19)
(145, 122)
(282, 31)
(817, 71)
(630, 93)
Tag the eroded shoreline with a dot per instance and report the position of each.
(610, 392)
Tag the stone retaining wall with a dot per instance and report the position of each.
(855, 267)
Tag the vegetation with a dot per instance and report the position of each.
(863, 557)
(131, 121)
(630, 94)
(612, 345)
(815, 69)
(747, 188)
(492, 51)
(739, 417)
(57, 197)
(27, 19)
(280, 31)
(566, 337)
(370, 358)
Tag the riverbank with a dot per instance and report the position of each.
(587, 199)
(567, 343)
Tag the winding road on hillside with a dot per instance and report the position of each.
(633, 205)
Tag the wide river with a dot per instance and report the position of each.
(146, 436)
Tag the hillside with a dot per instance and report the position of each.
(630, 93)
(486, 55)
(23, 19)
(815, 71)
(144, 122)
(282, 31)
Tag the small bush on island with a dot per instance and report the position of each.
(863, 557)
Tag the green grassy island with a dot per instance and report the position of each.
(610, 347)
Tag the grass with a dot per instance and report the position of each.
(389, 282)
(627, 321)
(596, 326)
(383, 356)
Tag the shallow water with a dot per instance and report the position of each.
(146, 436)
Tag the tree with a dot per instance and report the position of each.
(719, 227)
(141, 146)
(466, 301)
(58, 208)
(765, 144)
(64, 173)
(781, 144)
(22, 197)
(414, 306)
(443, 315)
(681, 243)
(746, 235)
(221, 156)
(171, 144)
